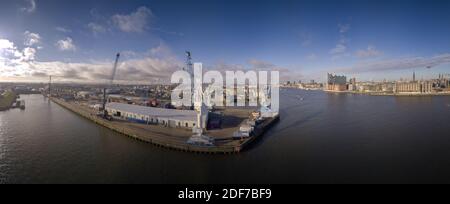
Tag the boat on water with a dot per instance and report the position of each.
(22, 104)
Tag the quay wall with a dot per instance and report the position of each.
(159, 140)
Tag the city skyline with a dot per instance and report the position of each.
(304, 40)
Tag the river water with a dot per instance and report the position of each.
(325, 138)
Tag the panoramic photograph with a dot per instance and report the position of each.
(224, 92)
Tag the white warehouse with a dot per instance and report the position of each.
(150, 115)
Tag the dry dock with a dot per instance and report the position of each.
(171, 138)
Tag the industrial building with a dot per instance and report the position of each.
(160, 116)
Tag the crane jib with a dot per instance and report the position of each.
(105, 113)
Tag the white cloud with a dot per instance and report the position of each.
(154, 66)
(31, 7)
(6, 44)
(145, 70)
(161, 51)
(96, 28)
(21, 65)
(14, 61)
(259, 64)
(129, 54)
(134, 22)
(29, 54)
(66, 44)
(8, 51)
(31, 38)
(371, 51)
(63, 30)
(340, 48)
(285, 73)
(398, 64)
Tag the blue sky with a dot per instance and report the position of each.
(371, 40)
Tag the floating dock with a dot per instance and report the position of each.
(174, 142)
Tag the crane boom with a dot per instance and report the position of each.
(105, 113)
(114, 69)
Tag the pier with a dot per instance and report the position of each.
(170, 138)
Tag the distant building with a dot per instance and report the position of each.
(443, 81)
(310, 86)
(352, 85)
(336, 83)
(84, 94)
(413, 87)
(387, 87)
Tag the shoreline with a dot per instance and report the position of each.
(168, 141)
(6, 102)
(375, 93)
(390, 94)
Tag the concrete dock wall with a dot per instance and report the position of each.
(159, 140)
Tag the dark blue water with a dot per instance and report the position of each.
(326, 138)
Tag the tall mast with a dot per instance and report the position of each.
(50, 86)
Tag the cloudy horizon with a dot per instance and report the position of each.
(301, 39)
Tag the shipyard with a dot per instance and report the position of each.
(149, 114)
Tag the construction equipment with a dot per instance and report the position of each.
(105, 113)
(50, 81)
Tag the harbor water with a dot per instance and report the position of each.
(321, 138)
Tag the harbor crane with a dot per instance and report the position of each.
(50, 80)
(105, 113)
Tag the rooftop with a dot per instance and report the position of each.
(186, 115)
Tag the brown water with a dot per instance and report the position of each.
(326, 138)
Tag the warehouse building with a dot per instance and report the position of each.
(149, 115)
(413, 87)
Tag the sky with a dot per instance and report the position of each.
(78, 40)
